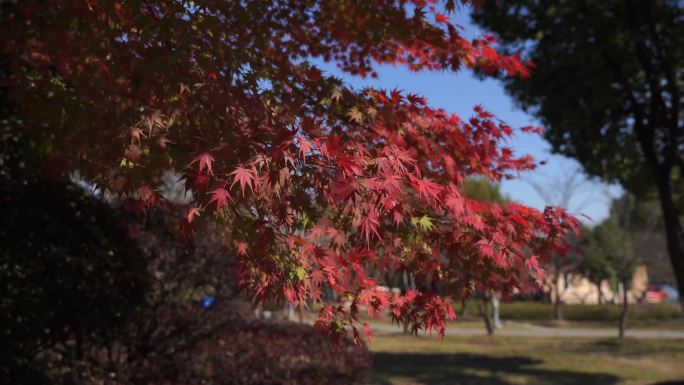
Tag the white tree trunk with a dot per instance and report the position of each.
(495, 311)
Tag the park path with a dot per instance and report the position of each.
(526, 330)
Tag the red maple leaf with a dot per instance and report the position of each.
(441, 18)
(332, 145)
(455, 202)
(241, 247)
(304, 148)
(205, 160)
(369, 226)
(243, 176)
(149, 196)
(193, 212)
(426, 188)
(221, 197)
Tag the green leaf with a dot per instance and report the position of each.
(423, 223)
(297, 274)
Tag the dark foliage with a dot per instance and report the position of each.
(274, 353)
(93, 293)
(68, 271)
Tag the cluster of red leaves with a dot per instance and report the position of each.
(320, 186)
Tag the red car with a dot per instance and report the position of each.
(655, 294)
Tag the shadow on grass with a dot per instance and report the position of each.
(473, 369)
(632, 347)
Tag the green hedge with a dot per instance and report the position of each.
(537, 311)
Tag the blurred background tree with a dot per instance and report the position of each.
(642, 219)
(613, 243)
(608, 90)
(598, 269)
(562, 191)
(484, 190)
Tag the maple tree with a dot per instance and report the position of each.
(317, 184)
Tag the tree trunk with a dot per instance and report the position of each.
(405, 282)
(495, 312)
(484, 310)
(556, 306)
(673, 232)
(623, 314)
(600, 293)
(289, 312)
(464, 308)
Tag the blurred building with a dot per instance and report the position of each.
(577, 289)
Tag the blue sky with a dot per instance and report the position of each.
(460, 92)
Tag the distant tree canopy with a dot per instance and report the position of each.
(611, 252)
(643, 221)
(608, 87)
(483, 190)
(596, 266)
(615, 246)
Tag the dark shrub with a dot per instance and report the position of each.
(92, 295)
(276, 353)
(69, 271)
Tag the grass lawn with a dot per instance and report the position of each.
(475, 323)
(676, 324)
(403, 360)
